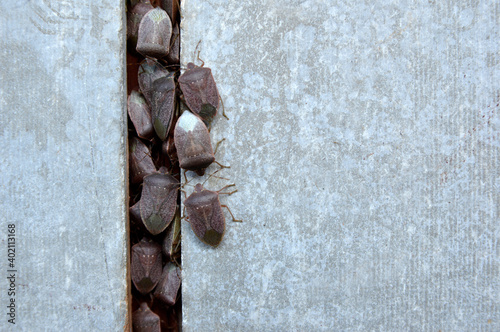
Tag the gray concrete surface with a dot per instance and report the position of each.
(364, 141)
(62, 165)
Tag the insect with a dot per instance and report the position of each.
(140, 160)
(135, 211)
(171, 245)
(163, 104)
(146, 265)
(158, 201)
(144, 320)
(200, 91)
(192, 141)
(134, 17)
(171, 7)
(168, 149)
(173, 56)
(204, 213)
(140, 115)
(157, 84)
(149, 71)
(169, 284)
(153, 37)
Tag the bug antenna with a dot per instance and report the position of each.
(202, 62)
(198, 56)
(186, 180)
(213, 174)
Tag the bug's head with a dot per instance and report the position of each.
(200, 171)
(198, 188)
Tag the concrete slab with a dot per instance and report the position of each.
(62, 166)
(364, 142)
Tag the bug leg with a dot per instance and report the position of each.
(221, 166)
(186, 182)
(177, 264)
(234, 219)
(177, 249)
(173, 41)
(217, 145)
(220, 177)
(226, 186)
(229, 193)
(223, 109)
(184, 214)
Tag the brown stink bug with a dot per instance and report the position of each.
(192, 141)
(171, 7)
(173, 56)
(171, 245)
(153, 37)
(204, 213)
(200, 92)
(145, 265)
(163, 104)
(141, 163)
(144, 320)
(149, 71)
(140, 115)
(158, 201)
(168, 149)
(135, 211)
(169, 284)
(134, 17)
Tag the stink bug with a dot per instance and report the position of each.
(172, 243)
(144, 320)
(158, 201)
(163, 104)
(173, 56)
(153, 37)
(135, 211)
(134, 17)
(204, 213)
(169, 284)
(168, 149)
(149, 71)
(192, 141)
(199, 91)
(171, 7)
(145, 265)
(141, 163)
(139, 113)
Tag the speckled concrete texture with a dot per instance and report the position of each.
(63, 164)
(364, 142)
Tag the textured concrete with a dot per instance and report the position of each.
(364, 142)
(62, 164)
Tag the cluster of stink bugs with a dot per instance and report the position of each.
(168, 118)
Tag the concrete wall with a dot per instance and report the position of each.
(363, 139)
(63, 164)
(364, 142)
